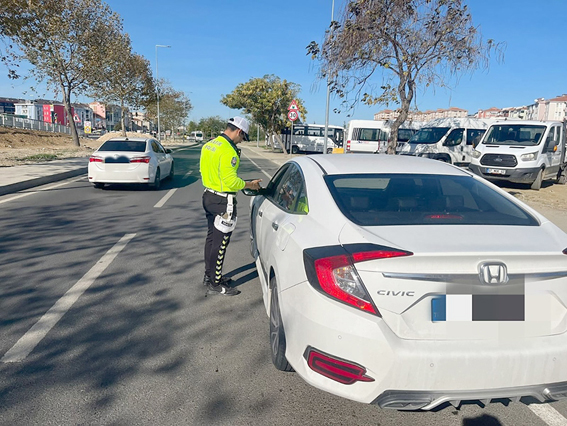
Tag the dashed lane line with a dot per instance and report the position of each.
(187, 174)
(39, 330)
(164, 199)
(548, 414)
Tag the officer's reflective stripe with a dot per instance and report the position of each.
(220, 259)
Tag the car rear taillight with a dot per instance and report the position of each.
(94, 159)
(331, 270)
(337, 369)
(140, 160)
(348, 145)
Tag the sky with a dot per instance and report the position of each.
(218, 44)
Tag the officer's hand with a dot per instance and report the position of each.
(254, 184)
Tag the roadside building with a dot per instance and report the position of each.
(7, 105)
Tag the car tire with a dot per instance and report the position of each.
(172, 171)
(277, 334)
(98, 185)
(294, 149)
(157, 181)
(329, 150)
(538, 180)
(562, 177)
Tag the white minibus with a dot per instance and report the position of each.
(447, 139)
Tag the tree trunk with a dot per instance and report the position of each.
(67, 103)
(405, 99)
(122, 119)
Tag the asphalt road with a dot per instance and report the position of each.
(122, 333)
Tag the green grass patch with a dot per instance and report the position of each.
(40, 157)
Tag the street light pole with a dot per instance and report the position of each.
(157, 89)
(328, 94)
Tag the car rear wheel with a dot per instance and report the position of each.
(157, 181)
(277, 334)
(537, 182)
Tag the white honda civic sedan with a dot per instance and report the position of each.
(409, 283)
(130, 160)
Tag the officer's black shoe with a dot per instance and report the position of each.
(227, 281)
(222, 289)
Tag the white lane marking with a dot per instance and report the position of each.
(25, 194)
(548, 414)
(166, 197)
(262, 170)
(39, 330)
(187, 174)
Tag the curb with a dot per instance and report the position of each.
(27, 184)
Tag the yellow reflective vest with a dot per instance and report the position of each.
(219, 165)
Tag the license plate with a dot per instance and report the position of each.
(478, 307)
(496, 171)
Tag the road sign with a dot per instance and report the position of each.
(293, 106)
(292, 115)
(76, 118)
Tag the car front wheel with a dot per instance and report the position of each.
(277, 334)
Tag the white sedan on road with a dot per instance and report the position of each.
(409, 283)
(130, 160)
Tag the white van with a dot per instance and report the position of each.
(447, 139)
(522, 151)
(372, 135)
(196, 136)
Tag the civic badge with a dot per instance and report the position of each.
(493, 273)
(233, 161)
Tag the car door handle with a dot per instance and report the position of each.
(260, 213)
(275, 226)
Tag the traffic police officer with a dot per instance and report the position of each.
(220, 159)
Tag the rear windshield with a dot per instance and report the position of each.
(124, 146)
(402, 199)
(429, 135)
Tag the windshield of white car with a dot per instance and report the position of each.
(123, 146)
(408, 199)
(429, 135)
(514, 134)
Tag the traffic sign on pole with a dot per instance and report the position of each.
(292, 115)
(293, 106)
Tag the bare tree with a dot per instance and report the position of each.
(65, 41)
(408, 43)
(174, 106)
(125, 78)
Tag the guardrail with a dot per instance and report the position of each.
(7, 120)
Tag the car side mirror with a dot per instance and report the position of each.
(168, 151)
(253, 192)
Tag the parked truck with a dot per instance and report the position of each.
(523, 152)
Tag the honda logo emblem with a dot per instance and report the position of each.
(493, 273)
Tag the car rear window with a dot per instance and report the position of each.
(123, 146)
(404, 199)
